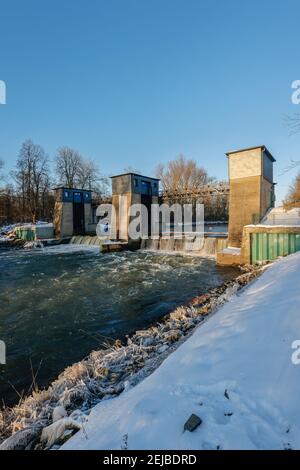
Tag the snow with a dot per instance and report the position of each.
(278, 216)
(274, 225)
(43, 224)
(68, 249)
(235, 372)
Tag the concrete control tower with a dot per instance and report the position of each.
(134, 189)
(251, 189)
(72, 212)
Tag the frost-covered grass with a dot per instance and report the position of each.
(235, 372)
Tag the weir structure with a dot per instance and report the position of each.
(251, 236)
(132, 188)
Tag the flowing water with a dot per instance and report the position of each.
(58, 304)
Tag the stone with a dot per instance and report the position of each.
(192, 423)
(58, 413)
(22, 439)
(53, 433)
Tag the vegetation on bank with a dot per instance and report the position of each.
(49, 417)
(293, 197)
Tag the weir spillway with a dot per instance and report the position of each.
(210, 246)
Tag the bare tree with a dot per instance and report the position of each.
(67, 162)
(293, 197)
(89, 177)
(32, 178)
(181, 174)
(131, 169)
(1, 169)
(292, 122)
(75, 171)
(9, 206)
(87, 174)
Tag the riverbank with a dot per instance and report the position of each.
(106, 373)
(238, 372)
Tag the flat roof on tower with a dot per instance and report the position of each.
(263, 147)
(71, 189)
(135, 174)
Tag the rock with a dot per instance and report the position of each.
(78, 415)
(53, 433)
(22, 439)
(192, 423)
(58, 413)
(162, 348)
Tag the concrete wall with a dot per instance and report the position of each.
(131, 183)
(63, 219)
(88, 218)
(57, 218)
(130, 188)
(251, 187)
(266, 196)
(228, 259)
(67, 220)
(121, 184)
(63, 212)
(245, 164)
(123, 219)
(244, 205)
(267, 168)
(210, 246)
(121, 206)
(248, 231)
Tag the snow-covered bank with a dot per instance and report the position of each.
(235, 372)
(107, 372)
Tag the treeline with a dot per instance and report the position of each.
(292, 199)
(183, 181)
(29, 195)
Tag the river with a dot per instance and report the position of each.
(58, 304)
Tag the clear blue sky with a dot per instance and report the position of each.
(136, 82)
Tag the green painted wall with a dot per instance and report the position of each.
(25, 233)
(268, 246)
